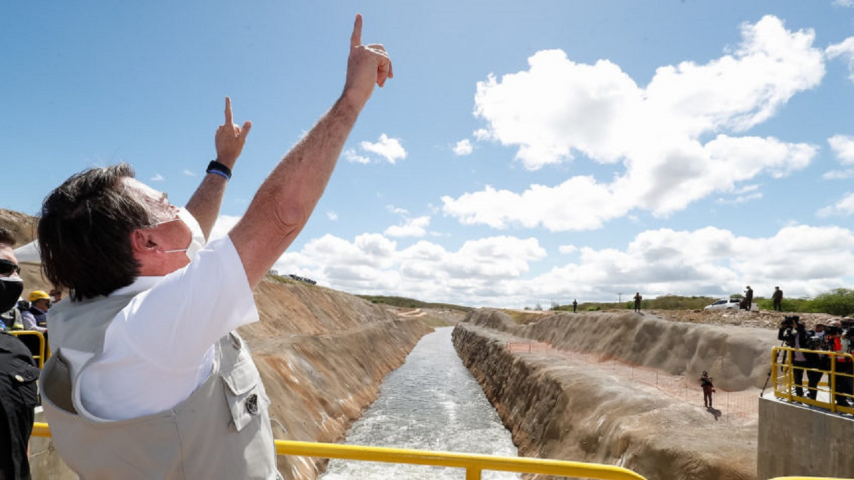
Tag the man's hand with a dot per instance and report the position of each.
(367, 65)
(230, 138)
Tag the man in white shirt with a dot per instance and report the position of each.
(146, 380)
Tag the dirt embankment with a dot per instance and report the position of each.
(560, 410)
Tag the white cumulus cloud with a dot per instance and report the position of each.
(412, 227)
(708, 261)
(223, 225)
(496, 271)
(463, 147)
(844, 49)
(353, 157)
(485, 271)
(843, 148)
(388, 148)
(845, 206)
(677, 140)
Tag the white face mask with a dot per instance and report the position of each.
(197, 242)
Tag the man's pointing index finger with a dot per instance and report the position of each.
(228, 117)
(356, 37)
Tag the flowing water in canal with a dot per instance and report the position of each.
(430, 403)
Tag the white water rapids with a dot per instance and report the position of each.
(430, 403)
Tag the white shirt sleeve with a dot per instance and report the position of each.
(173, 324)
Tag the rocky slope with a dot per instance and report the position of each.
(556, 409)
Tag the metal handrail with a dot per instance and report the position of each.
(40, 358)
(807, 478)
(473, 464)
(783, 383)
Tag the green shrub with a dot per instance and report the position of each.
(836, 302)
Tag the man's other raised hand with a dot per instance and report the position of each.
(366, 66)
(230, 138)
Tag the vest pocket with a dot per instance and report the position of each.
(244, 394)
(22, 379)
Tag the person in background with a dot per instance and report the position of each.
(11, 284)
(844, 366)
(708, 389)
(638, 299)
(163, 386)
(793, 333)
(777, 297)
(819, 331)
(574, 306)
(35, 317)
(11, 320)
(747, 303)
(18, 374)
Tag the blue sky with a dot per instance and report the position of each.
(525, 152)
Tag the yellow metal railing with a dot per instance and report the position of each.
(784, 381)
(473, 464)
(40, 358)
(807, 478)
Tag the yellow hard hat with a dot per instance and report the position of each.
(38, 295)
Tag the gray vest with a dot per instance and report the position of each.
(221, 431)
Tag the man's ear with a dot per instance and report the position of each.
(142, 241)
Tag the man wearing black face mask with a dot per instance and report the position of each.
(11, 284)
(18, 373)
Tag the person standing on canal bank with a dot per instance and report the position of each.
(777, 297)
(747, 303)
(148, 378)
(638, 299)
(708, 389)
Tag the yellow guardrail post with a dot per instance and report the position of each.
(40, 358)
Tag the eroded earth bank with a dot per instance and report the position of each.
(562, 410)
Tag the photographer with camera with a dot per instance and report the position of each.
(793, 334)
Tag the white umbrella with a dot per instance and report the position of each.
(29, 253)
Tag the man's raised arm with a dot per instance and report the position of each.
(284, 202)
(207, 199)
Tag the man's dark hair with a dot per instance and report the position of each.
(6, 237)
(84, 232)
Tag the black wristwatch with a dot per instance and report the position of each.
(219, 169)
